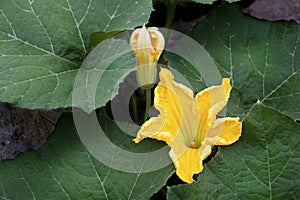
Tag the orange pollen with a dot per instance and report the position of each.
(193, 145)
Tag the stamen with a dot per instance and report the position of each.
(193, 145)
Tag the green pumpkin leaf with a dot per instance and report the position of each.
(262, 60)
(43, 43)
(63, 169)
(104, 68)
(263, 164)
(260, 57)
(98, 37)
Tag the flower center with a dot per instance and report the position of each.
(193, 145)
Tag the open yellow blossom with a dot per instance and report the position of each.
(147, 45)
(188, 124)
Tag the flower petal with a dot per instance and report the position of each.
(172, 100)
(188, 161)
(211, 101)
(157, 40)
(151, 128)
(141, 43)
(175, 101)
(224, 131)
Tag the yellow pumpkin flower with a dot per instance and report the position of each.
(147, 45)
(188, 124)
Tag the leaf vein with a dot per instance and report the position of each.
(138, 174)
(268, 155)
(3, 189)
(97, 174)
(58, 182)
(9, 24)
(86, 12)
(214, 30)
(14, 2)
(40, 77)
(77, 26)
(42, 25)
(111, 16)
(28, 185)
(284, 96)
(295, 49)
(230, 53)
(285, 164)
(222, 182)
(40, 49)
(279, 86)
(243, 160)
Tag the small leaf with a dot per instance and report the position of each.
(263, 164)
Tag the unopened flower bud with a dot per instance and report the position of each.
(147, 45)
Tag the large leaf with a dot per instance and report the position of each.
(99, 76)
(43, 42)
(63, 169)
(263, 164)
(262, 58)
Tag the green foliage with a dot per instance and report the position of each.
(263, 164)
(262, 60)
(98, 37)
(101, 72)
(63, 169)
(260, 57)
(44, 43)
(39, 71)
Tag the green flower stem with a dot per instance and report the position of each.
(171, 8)
(134, 108)
(170, 15)
(148, 103)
